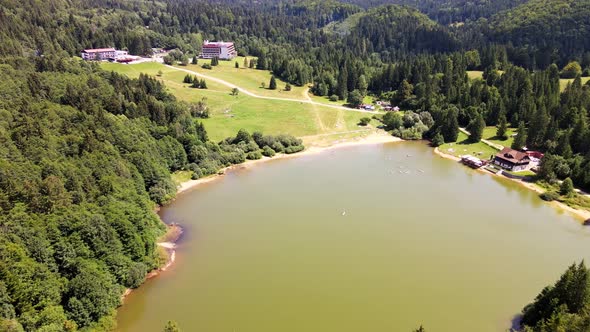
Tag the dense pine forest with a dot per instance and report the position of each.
(86, 155)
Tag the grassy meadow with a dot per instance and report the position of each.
(463, 147)
(229, 113)
(248, 79)
(489, 134)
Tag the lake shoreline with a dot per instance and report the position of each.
(168, 241)
(579, 214)
(375, 138)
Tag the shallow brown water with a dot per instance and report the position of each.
(422, 241)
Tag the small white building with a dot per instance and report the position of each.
(221, 50)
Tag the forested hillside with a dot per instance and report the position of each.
(545, 31)
(399, 31)
(448, 11)
(86, 155)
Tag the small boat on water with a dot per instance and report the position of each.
(343, 213)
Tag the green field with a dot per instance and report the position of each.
(229, 113)
(489, 134)
(563, 82)
(463, 147)
(475, 74)
(248, 79)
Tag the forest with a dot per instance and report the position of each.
(562, 306)
(87, 154)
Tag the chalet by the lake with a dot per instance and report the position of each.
(513, 160)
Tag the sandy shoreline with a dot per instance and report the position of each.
(168, 243)
(174, 231)
(580, 214)
(375, 138)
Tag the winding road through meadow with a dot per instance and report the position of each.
(253, 95)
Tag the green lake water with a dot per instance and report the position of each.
(367, 238)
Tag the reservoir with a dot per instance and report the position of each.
(365, 238)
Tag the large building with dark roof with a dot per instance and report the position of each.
(512, 160)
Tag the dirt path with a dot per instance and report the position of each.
(484, 141)
(248, 93)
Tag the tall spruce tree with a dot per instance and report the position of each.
(342, 91)
(476, 128)
(272, 85)
(520, 139)
(502, 127)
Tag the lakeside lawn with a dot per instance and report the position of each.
(228, 114)
(463, 147)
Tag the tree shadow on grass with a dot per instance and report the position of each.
(497, 138)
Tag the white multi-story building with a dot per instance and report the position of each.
(99, 54)
(221, 50)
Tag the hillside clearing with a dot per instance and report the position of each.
(230, 113)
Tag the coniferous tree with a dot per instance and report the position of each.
(195, 60)
(450, 127)
(203, 84)
(537, 128)
(520, 139)
(567, 187)
(564, 147)
(437, 140)
(261, 62)
(246, 64)
(273, 83)
(215, 61)
(580, 138)
(502, 127)
(343, 84)
(237, 65)
(476, 128)
(405, 91)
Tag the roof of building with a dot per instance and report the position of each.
(513, 156)
(217, 44)
(97, 50)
